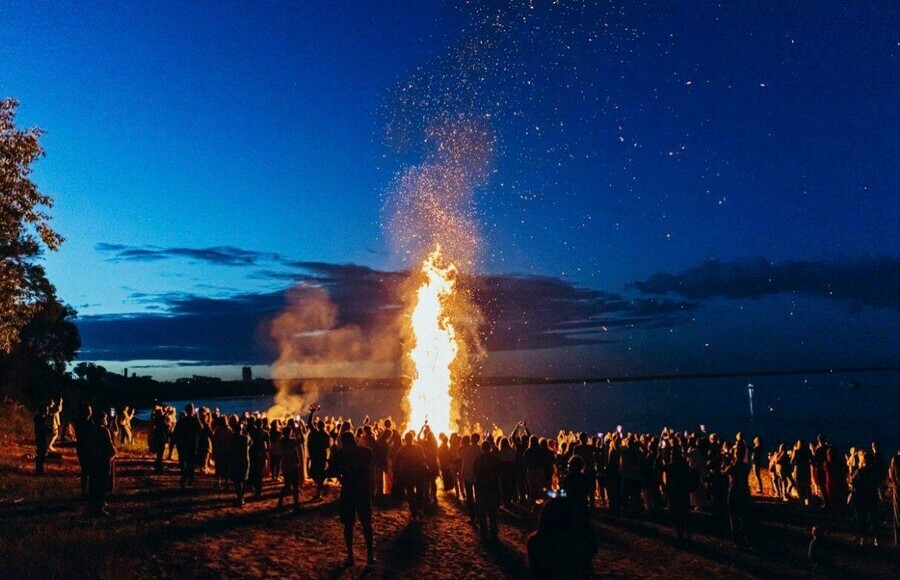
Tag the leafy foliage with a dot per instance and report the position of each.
(24, 229)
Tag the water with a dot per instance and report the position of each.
(849, 408)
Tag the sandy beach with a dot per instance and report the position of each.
(158, 530)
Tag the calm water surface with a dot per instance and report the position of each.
(851, 408)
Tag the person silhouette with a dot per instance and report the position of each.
(352, 465)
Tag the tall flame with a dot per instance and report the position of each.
(434, 346)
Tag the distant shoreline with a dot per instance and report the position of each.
(144, 393)
(512, 381)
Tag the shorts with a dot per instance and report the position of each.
(352, 509)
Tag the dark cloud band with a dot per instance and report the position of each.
(870, 281)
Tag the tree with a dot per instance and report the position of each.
(34, 367)
(88, 371)
(24, 230)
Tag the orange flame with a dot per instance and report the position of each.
(434, 346)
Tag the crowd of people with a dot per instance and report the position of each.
(560, 478)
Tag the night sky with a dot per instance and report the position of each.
(676, 187)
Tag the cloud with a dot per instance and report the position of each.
(219, 255)
(521, 312)
(866, 281)
(528, 312)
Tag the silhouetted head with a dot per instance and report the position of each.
(466, 440)
(348, 441)
(189, 409)
(475, 438)
(583, 437)
(576, 464)
(487, 446)
(556, 517)
(409, 438)
(534, 441)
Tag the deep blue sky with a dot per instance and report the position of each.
(634, 140)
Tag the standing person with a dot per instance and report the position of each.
(469, 451)
(221, 445)
(239, 457)
(758, 460)
(486, 468)
(317, 443)
(186, 436)
(575, 483)
(456, 463)
(171, 421)
(204, 440)
(630, 459)
(124, 419)
(534, 470)
(151, 431)
(507, 471)
(160, 437)
(353, 467)
(82, 451)
(783, 472)
(612, 476)
(429, 445)
(275, 449)
(588, 454)
(864, 497)
(819, 456)
(53, 423)
(100, 453)
(681, 480)
(41, 439)
(409, 467)
(445, 460)
(801, 461)
(894, 484)
(564, 544)
(835, 469)
(739, 498)
(290, 458)
(381, 450)
(259, 453)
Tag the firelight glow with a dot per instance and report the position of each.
(434, 346)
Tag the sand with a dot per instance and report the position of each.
(158, 530)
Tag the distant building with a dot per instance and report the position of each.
(247, 374)
(125, 372)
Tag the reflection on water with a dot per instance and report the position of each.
(848, 408)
